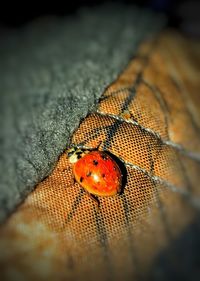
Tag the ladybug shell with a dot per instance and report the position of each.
(98, 174)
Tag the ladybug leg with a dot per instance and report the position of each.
(93, 198)
(97, 148)
(64, 170)
(73, 181)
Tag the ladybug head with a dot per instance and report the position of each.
(75, 153)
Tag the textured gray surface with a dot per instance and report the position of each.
(52, 73)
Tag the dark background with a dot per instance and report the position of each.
(183, 15)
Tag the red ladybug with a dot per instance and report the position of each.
(96, 171)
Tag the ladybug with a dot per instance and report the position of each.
(96, 171)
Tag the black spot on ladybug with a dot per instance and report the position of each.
(104, 157)
(88, 174)
(95, 162)
(81, 179)
(70, 153)
(79, 154)
(103, 175)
